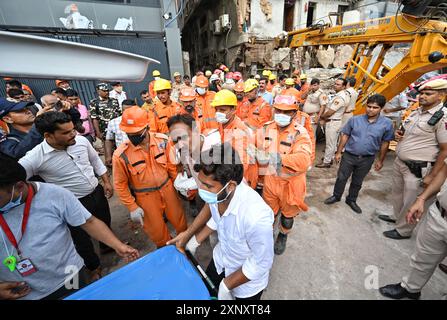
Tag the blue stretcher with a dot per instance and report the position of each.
(165, 274)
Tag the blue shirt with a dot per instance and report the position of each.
(17, 143)
(365, 138)
(268, 97)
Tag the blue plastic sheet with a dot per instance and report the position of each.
(165, 274)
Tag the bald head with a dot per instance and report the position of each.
(48, 99)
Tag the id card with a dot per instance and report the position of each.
(25, 267)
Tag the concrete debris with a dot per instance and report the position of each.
(326, 57)
(342, 55)
(266, 8)
(281, 56)
(327, 76)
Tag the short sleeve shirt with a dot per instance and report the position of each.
(47, 240)
(339, 104)
(421, 141)
(314, 101)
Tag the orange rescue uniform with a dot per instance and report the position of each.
(303, 93)
(240, 137)
(203, 103)
(161, 114)
(285, 191)
(145, 179)
(259, 112)
(152, 92)
(305, 120)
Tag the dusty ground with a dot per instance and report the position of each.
(330, 250)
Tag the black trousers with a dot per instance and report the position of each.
(217, 278)
(355, 166)
(96, 203)
(63, 292)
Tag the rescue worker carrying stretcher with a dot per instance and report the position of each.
(284, 156)
(143, 177)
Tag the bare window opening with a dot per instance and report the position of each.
(311, 9)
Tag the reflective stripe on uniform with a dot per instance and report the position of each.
(151, 189)
(209, 119)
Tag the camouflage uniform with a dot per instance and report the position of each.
(104, 111)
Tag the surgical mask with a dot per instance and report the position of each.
(252, 99)
(12, 203)
(221, 117)
(211, 197)
(157, 78)
(240, 97)
(282, 120)
(136, 140)
(201, 91)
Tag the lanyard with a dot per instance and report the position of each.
(7, 230)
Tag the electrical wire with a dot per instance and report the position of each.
(180, 11)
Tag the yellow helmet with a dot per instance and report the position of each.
(290, 82)
(224, 98)
(250, 84)
(266, 73)
(155, 73)
(162, 84)
(272, 77)
(303, 76)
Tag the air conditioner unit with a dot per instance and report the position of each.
(217, 27)
(225, 21)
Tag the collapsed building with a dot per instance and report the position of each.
(243, 34)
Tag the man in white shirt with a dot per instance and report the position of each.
(114, 135)
(243, 257)
(69, 160)
(353, 95)
(118, 93)
(393, 109)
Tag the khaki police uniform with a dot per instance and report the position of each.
(353, 95)
(419, 143)
(431, 245)
(333, 124)
(314, 102)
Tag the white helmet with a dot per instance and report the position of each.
(214, 77)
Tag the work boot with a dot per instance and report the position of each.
(280, 243)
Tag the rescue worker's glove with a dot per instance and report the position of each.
(192, 245)
(137, 216)
(224, 293)
(273, 159)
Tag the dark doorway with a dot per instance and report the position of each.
(289, 10)
(311, 9)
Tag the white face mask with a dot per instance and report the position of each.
(282, 120)
(201, 91)
(157, 78)
(221, 117)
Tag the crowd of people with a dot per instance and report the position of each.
(233, 152)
